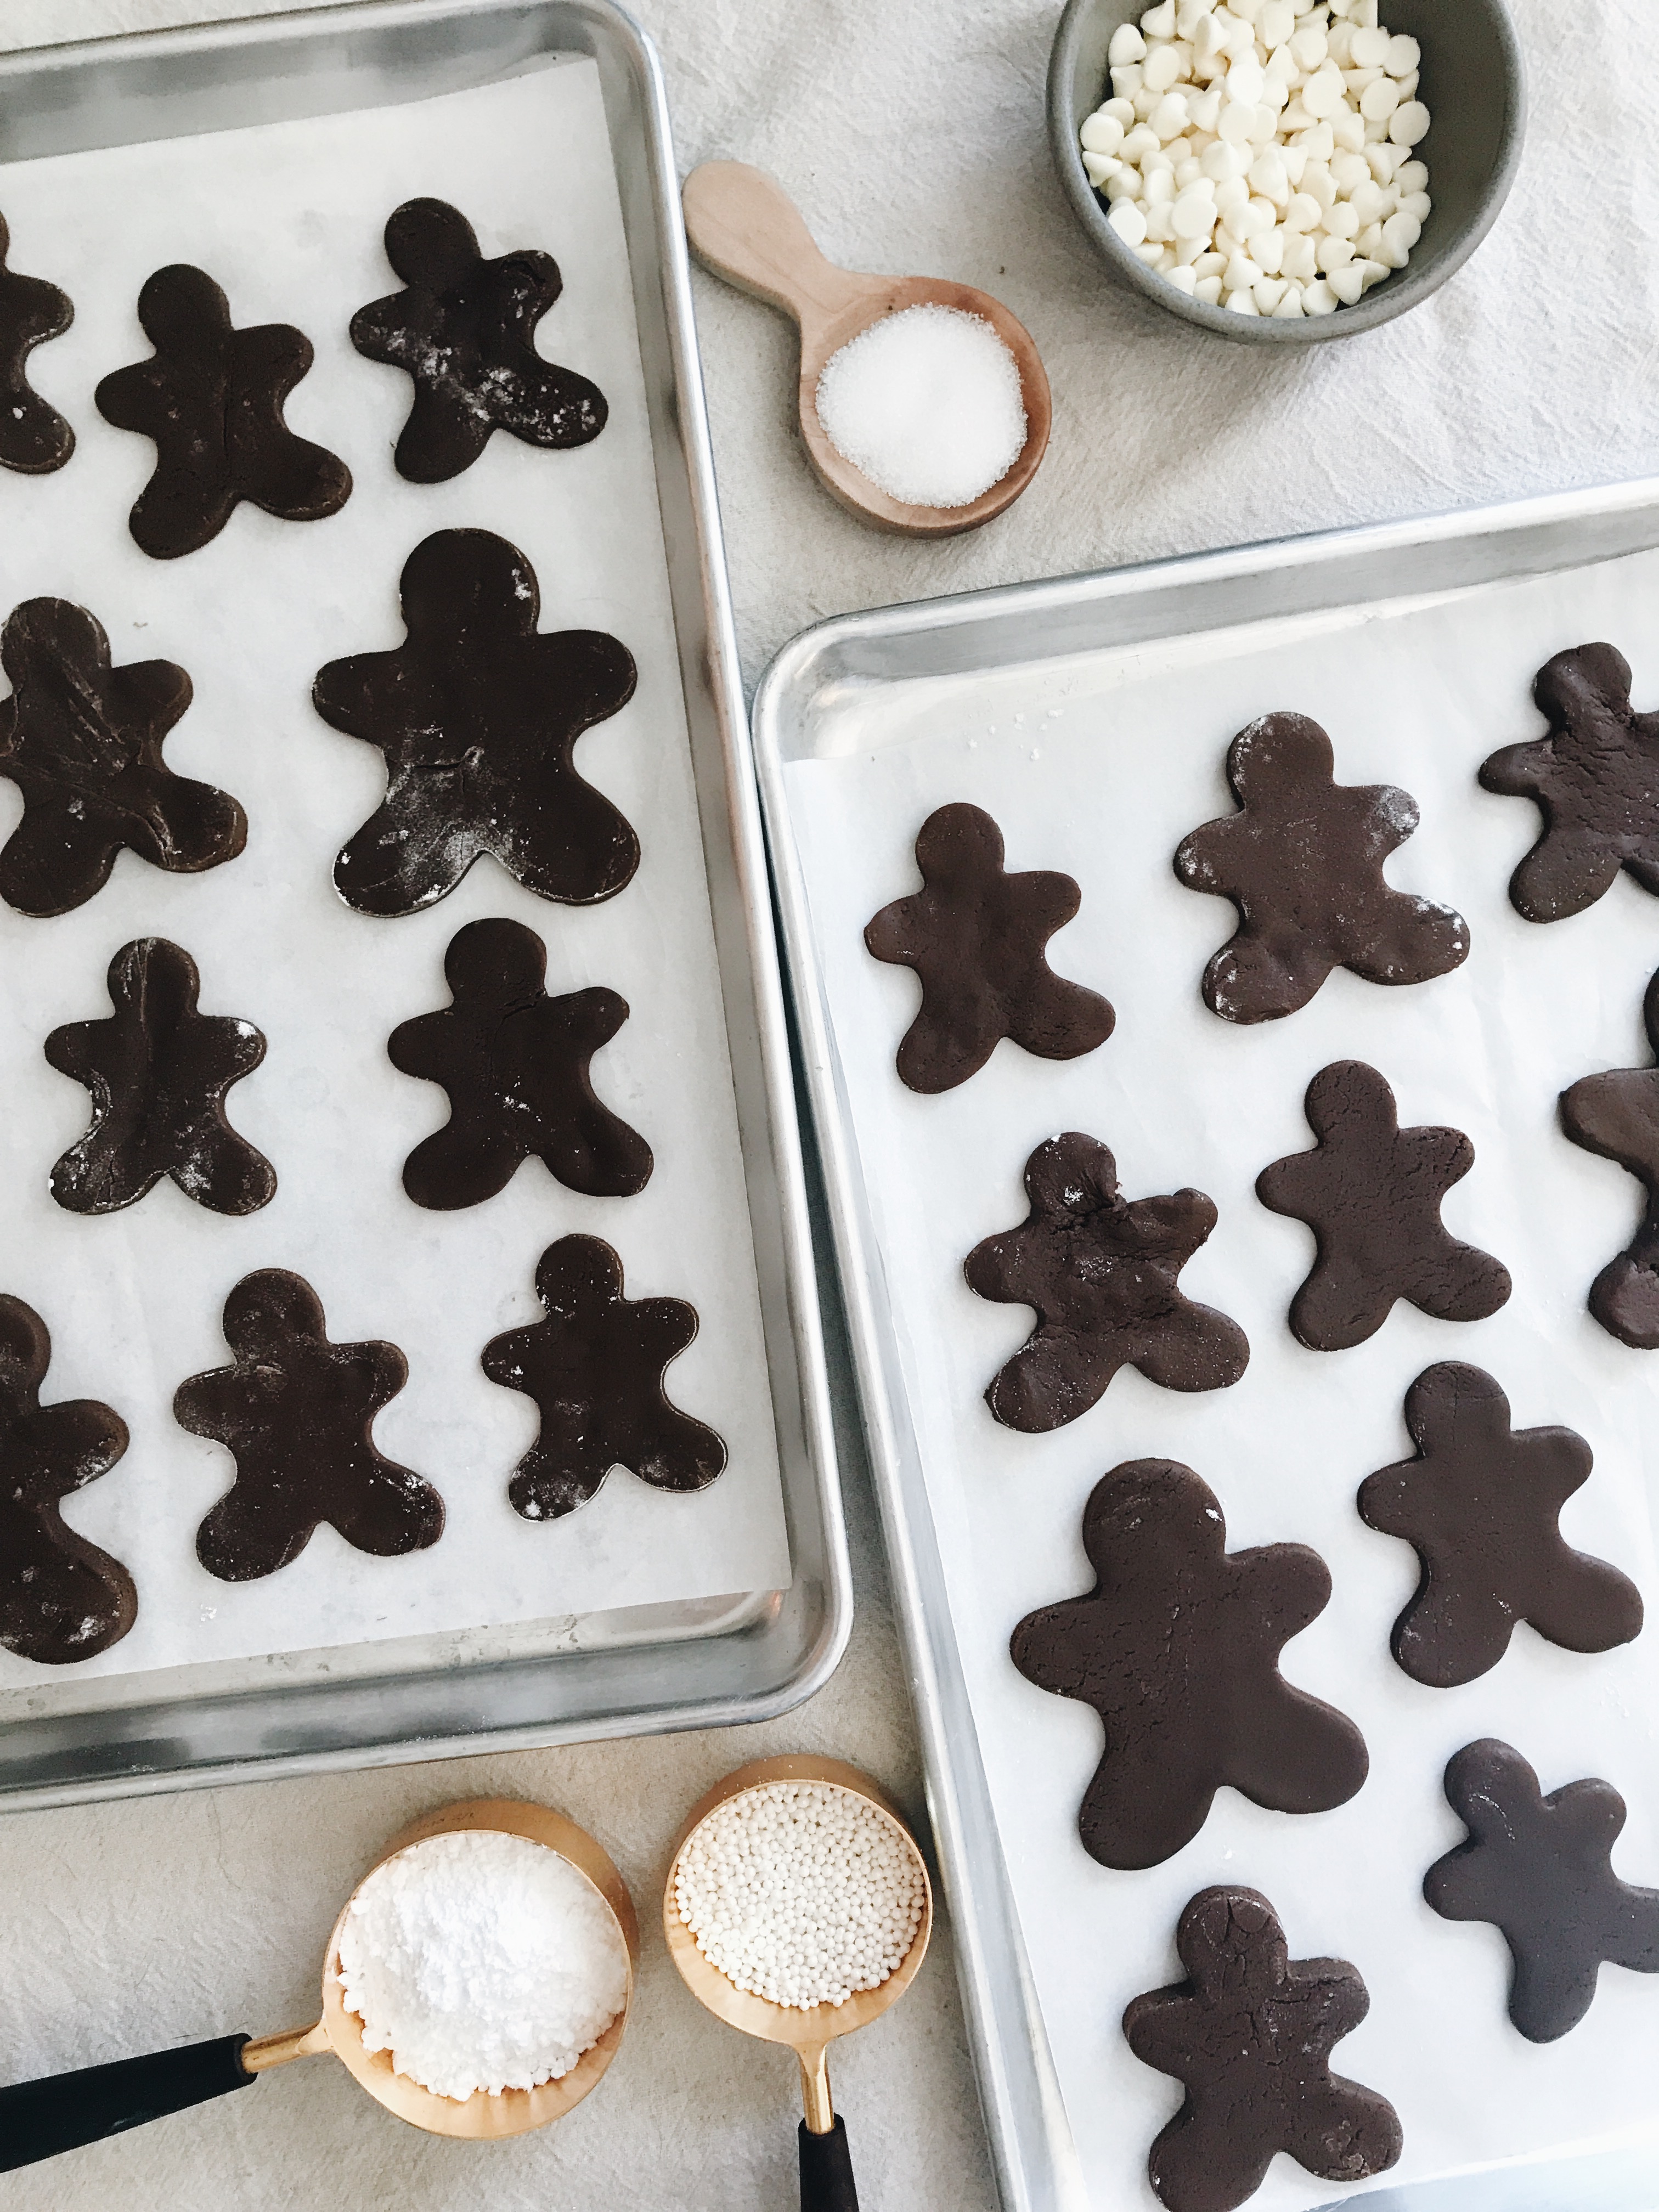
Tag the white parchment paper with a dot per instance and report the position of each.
(288, 219)
(1099, 767)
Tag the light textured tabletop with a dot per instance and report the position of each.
(912, 133)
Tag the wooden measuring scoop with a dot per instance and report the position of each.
(743, 226)
(826, 2168)
(40, 2118)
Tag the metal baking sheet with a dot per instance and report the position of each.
(851, 690)
(740, 1657)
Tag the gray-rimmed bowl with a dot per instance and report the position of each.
(1474, 85)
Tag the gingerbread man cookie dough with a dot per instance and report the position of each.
(82, 741)
(464, 331)
(595, 1369)
(1177, 1648)
(1540, 1870)
(1371, 1193)
(477, 713)
(1101, 1271)
(1481, 1505)
(34, 438)
(158, 1071)
(1594, 779)
(1248, 2035)
(516, 1065)
(61, 1598)
(974, 936)
(296, 1413)
(1617, 1115)
(211, 400)
(1302, 860)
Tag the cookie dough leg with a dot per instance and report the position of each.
(1050, 1381)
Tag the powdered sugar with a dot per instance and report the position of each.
(482, 1961)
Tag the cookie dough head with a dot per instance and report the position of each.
(430, 243)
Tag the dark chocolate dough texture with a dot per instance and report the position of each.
(1540, 1870)
(477, 713)
(62, 1599)
(211, 400)
(463, 329)
(515, 1064)
(1101, 1271)
(1248, 2035)
(1480, 1503)
(1594, 779)
(1177, 1648)
(34, 438)
(1616, 1116)
(1371, 1193)
(82, 739)
(595, 1368)
(158, 1071)
(1302, 862)
(296, 1412)
(974, 935)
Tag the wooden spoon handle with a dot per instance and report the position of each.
(743, 226)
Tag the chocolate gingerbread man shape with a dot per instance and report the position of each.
(158, 1071)
(478, 715)
(1177, 1648)
(516, 1065)
(595, 1368)
(61, 1598)
(974, 936)
(1617, 1115)
(1540, 1870)
(296, 1412)
(1101, 1270)
(1248, 2035)
(1371, 1193)
(34, 438)
(1594, 779)
(82, 741)
(463, 331)
(211, 400)
(1481, 1505)
(1302, 860)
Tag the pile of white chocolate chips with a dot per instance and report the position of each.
(800, 1892)
(1261, 159)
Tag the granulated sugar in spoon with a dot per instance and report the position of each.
(797, 1908)
(924, 403)
(420, 1919)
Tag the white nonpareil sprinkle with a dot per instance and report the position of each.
(482, 1961)
(800, 1892)
(927, 403)
(1261, 156)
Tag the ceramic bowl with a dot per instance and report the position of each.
(1474, 86)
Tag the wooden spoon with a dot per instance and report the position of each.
(826, 2170)
(743, 226)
